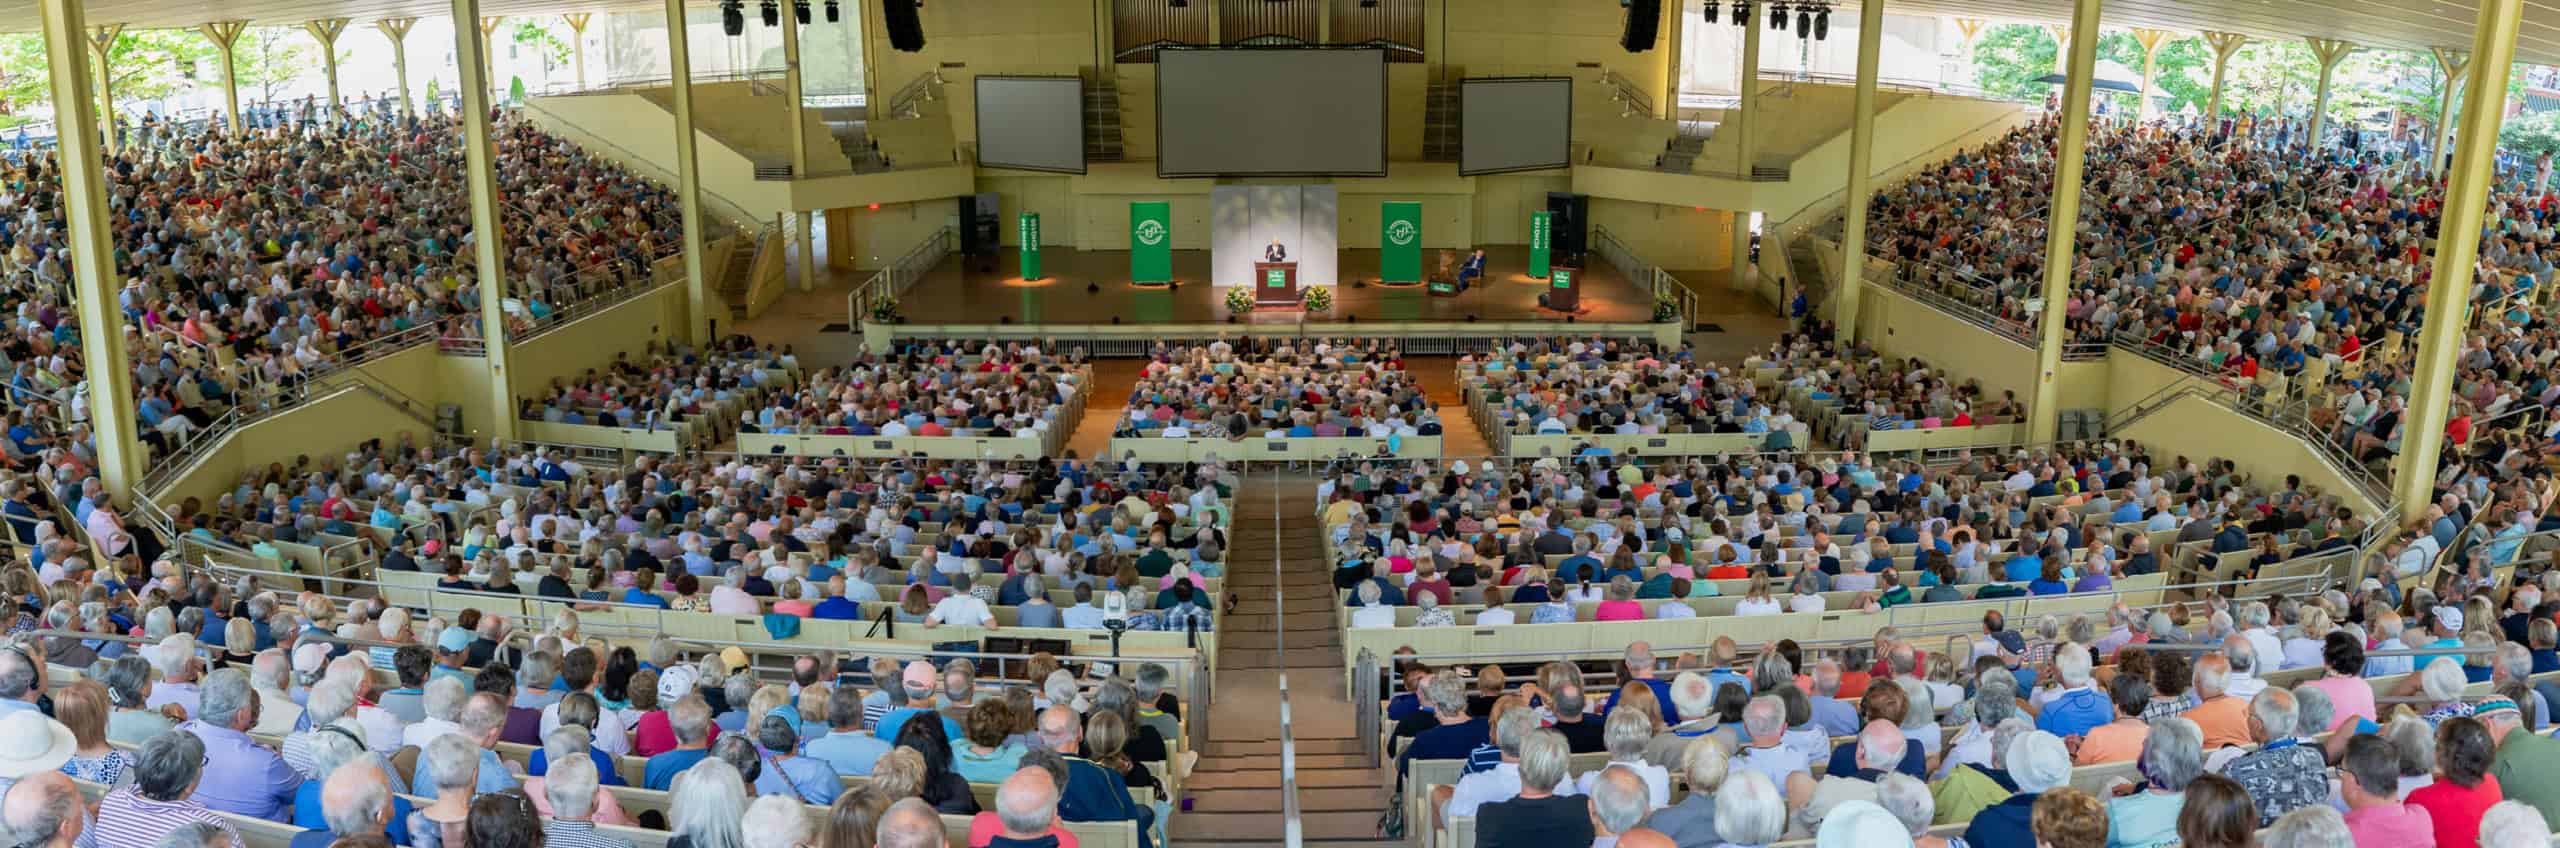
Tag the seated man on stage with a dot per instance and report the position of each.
(1473, 270)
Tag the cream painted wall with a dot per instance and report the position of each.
(881, 235)
(2199, 428)
(1503, 203)
(1521, 37)
(1673, 237)
(1898, 325)
(965, 38)
(327, 427)
(1050, 195)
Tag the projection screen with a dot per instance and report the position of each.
(1031, 123)
(1514, 124)
(1271, 112)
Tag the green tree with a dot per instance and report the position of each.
(2532, 135)
(538, 37)
(2009, 58)
(145, 64)
(266, 59)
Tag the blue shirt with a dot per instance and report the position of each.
(306, 813)
(897, 718)
(1915, 760)
(811, 779)
(606, 773)
(848, 752)
(493, 776)
(1661, 694)
(242, 776)
(2075, 712)
(2023, 567)
(663, 768)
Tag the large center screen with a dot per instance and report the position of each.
(1271, 112)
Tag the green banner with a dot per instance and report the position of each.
(1564, 278)
(1030, 226)
(1400, 242)
(1541, 229)
(1151, 242)
(1277, 278)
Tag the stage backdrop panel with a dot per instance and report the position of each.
(1514, 124)
(1246, 219)
(1271, 112)
(1031, 123)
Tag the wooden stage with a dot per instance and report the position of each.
(958, 292)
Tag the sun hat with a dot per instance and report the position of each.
(30, 743)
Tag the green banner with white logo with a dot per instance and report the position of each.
(1030, 245)
(1541, 230)
(1400, 242)
(1151, 242)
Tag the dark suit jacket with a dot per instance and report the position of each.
(1275, 253)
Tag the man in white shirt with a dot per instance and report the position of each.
(444, 699)
(961, 609)
(1492, 616)
(1372, 614)
(271, 677)
(2253, 624)
(2243, 653)
(1502, 782)
(579, 668)
(730, 597)
(1084, 615)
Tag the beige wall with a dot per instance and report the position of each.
(2198, 428)
(1674, 237)
(328, 427)
(1898, 325)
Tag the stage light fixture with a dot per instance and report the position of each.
(833, 14)
(1711, 11)
(1368, 4)
(1822, 23)
(772, 13)
(733, 17)
(1741, 13)
(1179, 4)
(800, 10)
(1778, 16)
(1804, 22)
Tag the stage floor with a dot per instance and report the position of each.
(958, 292)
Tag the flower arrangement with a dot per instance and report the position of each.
(1317, 299)
(885, 311)
(1239, 299)
(1665, 311)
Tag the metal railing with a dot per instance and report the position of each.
(885, 286)
(1625, 91)
(1658, 283)
(906, 103)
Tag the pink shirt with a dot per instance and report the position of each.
(2351, 696)
(1618, 611)
(2392, 825)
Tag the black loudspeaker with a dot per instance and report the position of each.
(1643, 17)
(906, 32)
(978, 233)
(1570, 222)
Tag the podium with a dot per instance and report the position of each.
(1275, 284)
(1564, 290)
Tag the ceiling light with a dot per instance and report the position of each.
(833, 13)
(733, 17)
(1778, 16)
(1804, 22)
(800, 10)
(1822, 23)
(772, 13)
(1711, 11)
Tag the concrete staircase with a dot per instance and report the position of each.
(735, 280)
(850, 125)
(1681, 152)
(1234, 791)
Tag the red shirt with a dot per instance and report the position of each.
(2457, 810)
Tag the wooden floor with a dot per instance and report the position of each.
(1092, 287)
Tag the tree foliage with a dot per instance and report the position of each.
(266, 59)
(536, 35)
(2009, 58)
(144, 64)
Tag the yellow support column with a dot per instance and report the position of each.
(578, 43)
(1745, 111)
(2457, 251)
(2151, 41)
(84, 184)
(488, 234)
(326, 31)
(1862, 149)
(2456, 65)
(102, 43)
(2061, 47)
(225, 35)
(697, 290)
(397, 29)
(2330, 52)
(804, 243)
(2225, 45)
(2062, 230)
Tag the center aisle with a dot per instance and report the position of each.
(1438, 376)
(1235, 789)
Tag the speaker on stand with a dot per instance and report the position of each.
(1571, 223)
(906, 29)
(1644, 21)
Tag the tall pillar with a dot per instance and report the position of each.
(326, 31)
(2061, 47)
(2062, 229)
(488, 236)
(2225, 45)
(102, 43)
(1862, 148)
(397, 29)
(2151, 41)
(2330, 52)
(225, 35)
(1745, 115)
(84, 183)
(578, 43)
(803, 243)
(2441, 339)
(488, 40)
(2456, 65)
(697, 289)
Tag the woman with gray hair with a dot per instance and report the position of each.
(2318, 826)
(1995, 700)
(1908, 800)
(2415, 740)
(706, 805)
(455, 762)
(1626, 733)
(2172, 757)
(128, 680)
(1145, 744)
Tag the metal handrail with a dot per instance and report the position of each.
(1658, 283)
(889, 282)
(903, 104)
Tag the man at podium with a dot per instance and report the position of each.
(1275, 253)
(1472, 270)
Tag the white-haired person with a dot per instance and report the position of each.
(565, 745)
(2512, 824)
(1537, 817)
(1503, 781)
(1692, 821)
(1879, 749)
(1626, 733)
(2037, 763)
(1749, 811)
(1908, 801)
(776, 821)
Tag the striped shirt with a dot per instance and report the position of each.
(577, 834)
(128, 820)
